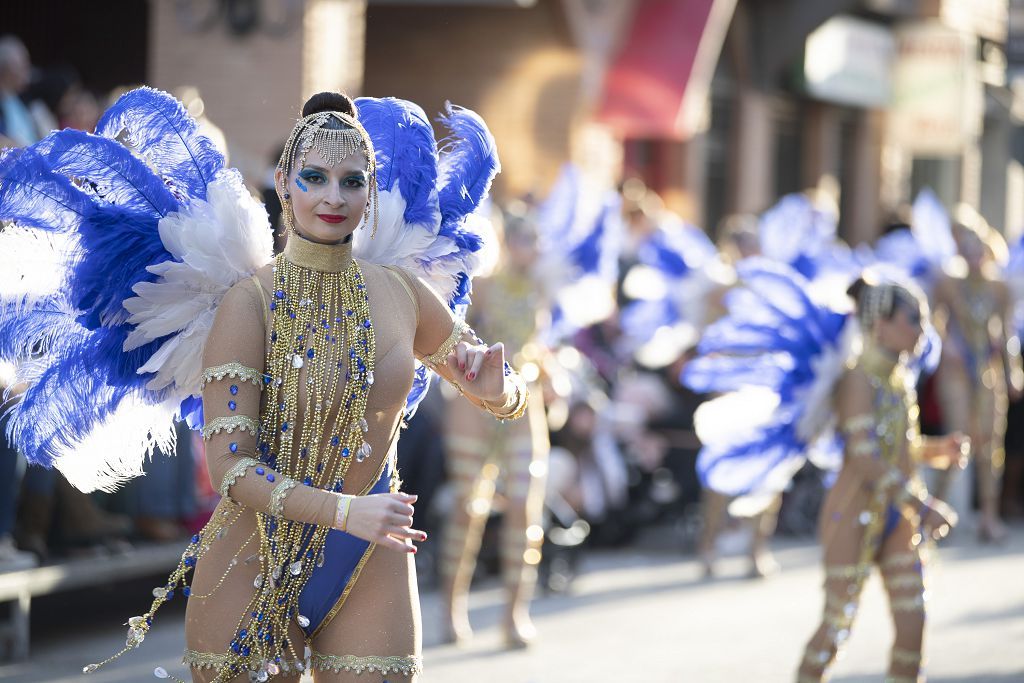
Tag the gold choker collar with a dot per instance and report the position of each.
(879, 362)
(326, 258)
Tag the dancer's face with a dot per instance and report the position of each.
(902, 332)
(328, 202)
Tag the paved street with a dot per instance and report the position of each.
(646, 616)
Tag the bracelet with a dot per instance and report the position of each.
(515, 406)
(277, 496)
(439, 358)
(237, 471)
(341, 512)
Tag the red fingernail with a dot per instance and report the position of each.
(414, 550)
(471, 376)
(462, 366)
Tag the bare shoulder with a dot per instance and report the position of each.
(854, 387)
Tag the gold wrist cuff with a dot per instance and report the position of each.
(277, 496)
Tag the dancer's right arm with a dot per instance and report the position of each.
(235, 351)
(233, 363)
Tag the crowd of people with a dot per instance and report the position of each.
(607, 304)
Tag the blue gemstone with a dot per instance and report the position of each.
(195, 538)
(264, 448)
(232, 405)
(186, 591)
(266, 379)
(367, 324)
(291, 314)
(310, 353)
(234, 389)
(270, 477)
(279, 294)
(233, 447)
(190, 561)
(345, 452)
(284, 427)
(335, 440)
(169, 595)
(242, 634)
(246, 651)
(236, 647)
(308, 481)
(260, 471)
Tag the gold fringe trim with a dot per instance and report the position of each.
(407, 666)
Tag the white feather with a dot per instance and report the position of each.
(418, 247)
(215, 244)
(33, 262)
(819, 413)
(114, 451)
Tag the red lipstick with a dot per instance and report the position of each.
(331, 217)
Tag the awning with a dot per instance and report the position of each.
(658, 84)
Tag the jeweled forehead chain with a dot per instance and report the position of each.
(334, 145)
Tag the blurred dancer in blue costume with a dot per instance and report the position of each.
(151, 284)
(879, 511)
(981, 359)
(485, 457)
(800, 368)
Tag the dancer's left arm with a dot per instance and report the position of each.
(449, 346)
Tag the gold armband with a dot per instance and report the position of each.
(439, 358)
(237, 471)
(277, 496)
(866, 447)
(858, 423)
(229, 424)
(236, 370)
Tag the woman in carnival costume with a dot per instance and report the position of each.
(981, 356)
(160, 297)
(801, 368)
(483, 454)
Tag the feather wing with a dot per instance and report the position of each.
(156, 126)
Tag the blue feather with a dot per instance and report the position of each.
(32, 195)
(403, 141)
(153, 121)
(115, 173)
(118, 245)
(468, 163)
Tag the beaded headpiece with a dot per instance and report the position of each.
(877, 300)
(334, 145)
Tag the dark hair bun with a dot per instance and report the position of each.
(856, 288)
(329, 101)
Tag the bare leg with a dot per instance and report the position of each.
(902, 572)
(762, 563)
(990, 420)
(522, 532)
(844, 580)
(474, 482)
(714, 507)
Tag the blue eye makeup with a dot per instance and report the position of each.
(310, 176)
